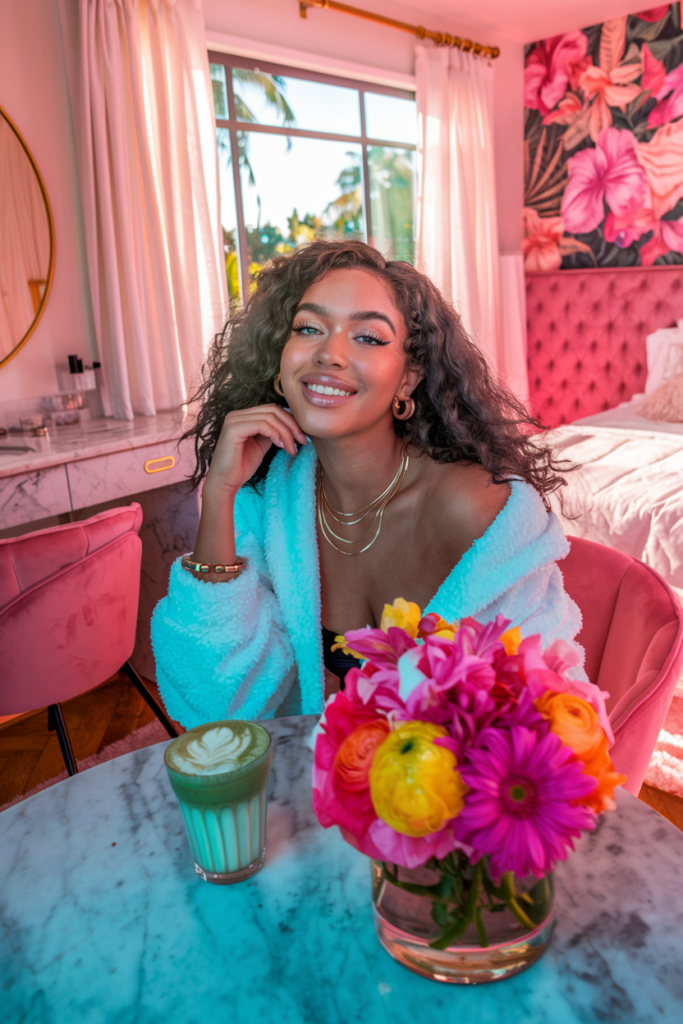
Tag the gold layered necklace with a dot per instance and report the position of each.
(346, 519)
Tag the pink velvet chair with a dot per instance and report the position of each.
(633, 636)
(68, 611)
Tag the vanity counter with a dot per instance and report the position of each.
(104, 460)
(103, 464)
(85, 441)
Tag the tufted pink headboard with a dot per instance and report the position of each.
(586, 333)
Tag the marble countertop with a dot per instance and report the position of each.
(94, 437)
(103, 920)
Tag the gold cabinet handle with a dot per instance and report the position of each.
(160, 464)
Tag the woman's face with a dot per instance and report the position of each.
(344, 361)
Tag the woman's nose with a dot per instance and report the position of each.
(332, 351)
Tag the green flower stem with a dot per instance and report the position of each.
(519, 913)
(461, 898)
(433, 892)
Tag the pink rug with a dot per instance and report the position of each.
(665, 770)
(151, 733)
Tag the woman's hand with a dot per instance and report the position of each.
(246, 436)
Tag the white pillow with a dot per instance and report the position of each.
(664, 356)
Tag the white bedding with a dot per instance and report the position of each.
(628, 493)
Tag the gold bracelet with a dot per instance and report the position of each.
(205, 567)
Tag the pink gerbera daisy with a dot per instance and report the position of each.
(521, 808)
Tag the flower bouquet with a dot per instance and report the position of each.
(463, 761)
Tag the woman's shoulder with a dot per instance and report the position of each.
(462, 501)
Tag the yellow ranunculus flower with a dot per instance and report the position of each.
(414, 786)
(404, 614)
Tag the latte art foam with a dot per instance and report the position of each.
(217, 748)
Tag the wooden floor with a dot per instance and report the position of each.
(29, 754)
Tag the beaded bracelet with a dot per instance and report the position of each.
(204, 567)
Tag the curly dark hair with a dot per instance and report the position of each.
(462, 412)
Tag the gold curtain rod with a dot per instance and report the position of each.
(440, 38)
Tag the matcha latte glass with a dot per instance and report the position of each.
(219, 773)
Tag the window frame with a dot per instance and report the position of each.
(233, 125)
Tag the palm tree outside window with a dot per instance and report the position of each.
(305, 155)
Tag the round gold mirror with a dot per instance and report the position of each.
(27, 243)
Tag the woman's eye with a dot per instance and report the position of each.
(306, 329)
(371, 339)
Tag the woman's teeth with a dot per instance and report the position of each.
(323, 389)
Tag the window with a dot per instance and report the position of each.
(304, 156)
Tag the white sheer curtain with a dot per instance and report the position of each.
(145, 139)
(457, 229)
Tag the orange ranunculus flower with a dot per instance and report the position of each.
(414, 786)
(601, 768)
(511, 639)
(576, 724)
(573, 720)
(354, 758)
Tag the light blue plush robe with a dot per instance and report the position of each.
(252, 648)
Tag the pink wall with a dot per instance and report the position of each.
(341, 36)
(33, 91)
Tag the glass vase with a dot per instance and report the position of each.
(448, 921)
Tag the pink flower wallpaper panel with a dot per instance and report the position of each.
(603, 144)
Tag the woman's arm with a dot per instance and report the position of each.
(220, 644)
(222, 650)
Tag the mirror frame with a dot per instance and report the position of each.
(51, 227)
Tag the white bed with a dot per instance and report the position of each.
(628, 491)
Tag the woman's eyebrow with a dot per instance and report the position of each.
(373, 314)
(363, 314)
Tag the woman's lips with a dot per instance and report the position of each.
(314, 393)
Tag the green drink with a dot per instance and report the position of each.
(219, 773)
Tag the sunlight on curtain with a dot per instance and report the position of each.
(457, 230)
(145, 136)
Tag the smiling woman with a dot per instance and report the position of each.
(347, 393)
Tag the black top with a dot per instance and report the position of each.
(336, 661)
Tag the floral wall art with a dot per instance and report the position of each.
(604, 145)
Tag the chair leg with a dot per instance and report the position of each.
(55, 720)
(137, 682)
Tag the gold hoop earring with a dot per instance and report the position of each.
(403, 408)
(277, 386)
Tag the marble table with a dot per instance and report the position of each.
(103, 919)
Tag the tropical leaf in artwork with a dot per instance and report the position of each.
(546, 176)
(578, 130)
(646, 31)
(669, 51)
(569, 245)
(612, 42)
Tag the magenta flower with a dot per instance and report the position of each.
(383, 843)
(610, 172)
(548, 68)
(521, 808)
(667, 236)
(669, 98)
